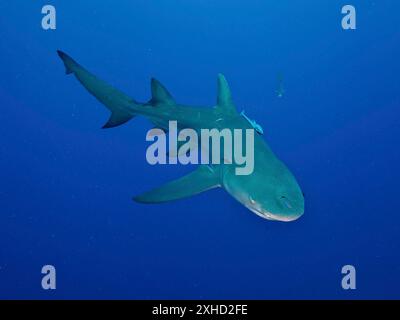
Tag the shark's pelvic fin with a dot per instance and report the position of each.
(202, 179)
(117, 118)
(122, 107)
(159, 94)
(224, 99)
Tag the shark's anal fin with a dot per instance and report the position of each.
(202, 179)
(224, 98)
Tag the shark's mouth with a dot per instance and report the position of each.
(262, 213)
(268, 215)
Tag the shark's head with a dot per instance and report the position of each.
(271, 193)
(279, 201)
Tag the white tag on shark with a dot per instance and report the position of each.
(253, 123)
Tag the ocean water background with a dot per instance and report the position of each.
(66, 185)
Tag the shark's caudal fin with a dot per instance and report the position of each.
(202, 179)
(122, 107)
(224, 98)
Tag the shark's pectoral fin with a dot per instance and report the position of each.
(202, 179)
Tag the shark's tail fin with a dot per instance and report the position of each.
(69, 63)
(122, 107)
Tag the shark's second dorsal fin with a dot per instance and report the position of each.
(224, 99)
(159, 94)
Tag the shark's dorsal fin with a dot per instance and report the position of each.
(224, 98)
(202, 179)
(159, 94)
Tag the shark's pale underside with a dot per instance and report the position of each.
(271, 191)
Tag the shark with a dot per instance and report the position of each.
(271, 191)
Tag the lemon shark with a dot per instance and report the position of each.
(270, 191)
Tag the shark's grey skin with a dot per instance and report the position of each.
(271, 191)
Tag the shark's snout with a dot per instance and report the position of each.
(289, 211)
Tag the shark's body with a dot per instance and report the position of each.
(271, 191)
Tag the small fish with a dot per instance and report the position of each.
(280, 91)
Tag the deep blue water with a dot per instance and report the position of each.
(66, 185)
